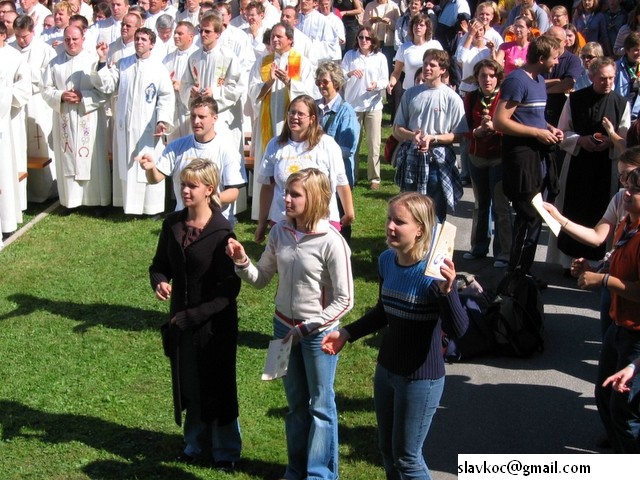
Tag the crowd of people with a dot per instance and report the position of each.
(543, 99)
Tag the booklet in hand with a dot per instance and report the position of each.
(277, 359)
(443, 242)
(553, 224)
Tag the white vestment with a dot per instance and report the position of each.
(219, 70)
(325, 38)
(118, 50)
(187, 16)
(176, 63)
(107, 30)
(239, 43)
(278, 108)
(79, 142)
(16, 90)
(145, 97)
(41, 184)
(38, 13)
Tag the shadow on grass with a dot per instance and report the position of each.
(143, 453)
(120, 317)
(89, 315)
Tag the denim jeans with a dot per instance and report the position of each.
(486, 179)
(435, 191)
(224, 441)
(620, 412)
(404, 410)
(311, 423)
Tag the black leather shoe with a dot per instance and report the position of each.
(225, 466)
(186, 458)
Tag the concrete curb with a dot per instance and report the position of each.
(29, 225)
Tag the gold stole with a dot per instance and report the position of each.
(293, 70)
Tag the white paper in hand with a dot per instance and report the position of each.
(277, 359)
(443, 245)
(553, 224)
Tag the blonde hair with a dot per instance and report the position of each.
(423, 212)
(492, 6)
(205, 172)
(317, 189)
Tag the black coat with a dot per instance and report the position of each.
(203, 300)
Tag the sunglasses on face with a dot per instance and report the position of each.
(322, 83)
(364, 38)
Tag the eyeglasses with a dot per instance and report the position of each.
(295, 114)
(323, 83)
(587, 57)
(364, 38)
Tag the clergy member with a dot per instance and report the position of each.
(143, 115)
(41, 183)
(276, 79)
(79, 123)
(16, 90)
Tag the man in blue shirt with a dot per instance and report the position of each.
(527, 167)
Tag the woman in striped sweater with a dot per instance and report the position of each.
(409, 377)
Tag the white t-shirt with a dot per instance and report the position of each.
(411, 55)
(179, 153)
(280, 161)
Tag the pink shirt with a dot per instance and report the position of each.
(514, 56)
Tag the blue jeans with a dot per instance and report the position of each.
(311, 423)
(486, 179)
(620, 412)
(224, 441)
(404, 410)
(435, 191)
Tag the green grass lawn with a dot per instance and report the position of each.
(85, 390)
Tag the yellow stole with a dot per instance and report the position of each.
(293, 70)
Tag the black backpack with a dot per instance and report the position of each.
(516, 316)
(478, 340)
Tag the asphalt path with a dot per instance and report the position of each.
(543, 404)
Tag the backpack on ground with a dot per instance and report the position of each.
(516, 316)
(478, 339)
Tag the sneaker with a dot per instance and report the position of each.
(471, 256)
(500, 263)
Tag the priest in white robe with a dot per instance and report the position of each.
(143, 116)
(16, 90)
(41, 183)
(176, 63)
(79, 123)
(275, 80)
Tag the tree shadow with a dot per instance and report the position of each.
(119, 317)
(142, 453)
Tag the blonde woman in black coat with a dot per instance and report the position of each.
(191, 270)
